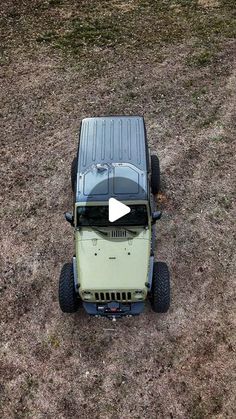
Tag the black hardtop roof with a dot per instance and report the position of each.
(112, 149)
(113, 139)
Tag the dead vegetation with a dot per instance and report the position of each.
(172, 61)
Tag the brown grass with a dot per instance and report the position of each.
(172, 62)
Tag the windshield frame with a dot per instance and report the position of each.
(113, 224)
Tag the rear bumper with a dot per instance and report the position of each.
(114, 309)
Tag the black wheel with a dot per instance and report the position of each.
(68, 299)
(160, 293)
(73, 173)
(155, 175)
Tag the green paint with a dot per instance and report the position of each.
(110, 264)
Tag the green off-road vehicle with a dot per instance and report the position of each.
(113, 271)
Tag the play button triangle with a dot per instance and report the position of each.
(117, 209)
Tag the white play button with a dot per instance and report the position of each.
(117, 210)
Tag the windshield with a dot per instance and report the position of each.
(98, 216)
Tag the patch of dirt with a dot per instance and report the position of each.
(208, 3)
(174, 63)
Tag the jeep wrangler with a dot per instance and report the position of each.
(113, 271)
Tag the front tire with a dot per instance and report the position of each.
(68, 299)
(160, 294)
(155, 175)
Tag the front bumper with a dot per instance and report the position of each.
(114, 309)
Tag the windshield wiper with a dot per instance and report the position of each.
(131, 231)
(98, 230)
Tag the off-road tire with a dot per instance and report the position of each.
(73, 174)
(155, 175)
(160, 293)
(68, 299)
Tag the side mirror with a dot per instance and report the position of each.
(70, 218)
(156, 215)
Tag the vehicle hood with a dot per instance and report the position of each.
(112, 263)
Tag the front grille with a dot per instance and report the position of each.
(113, 296)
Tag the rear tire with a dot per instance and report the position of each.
(68, 299)
(155, 175)
(73, 174)
(160, 294)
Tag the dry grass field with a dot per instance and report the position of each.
(173, 62)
